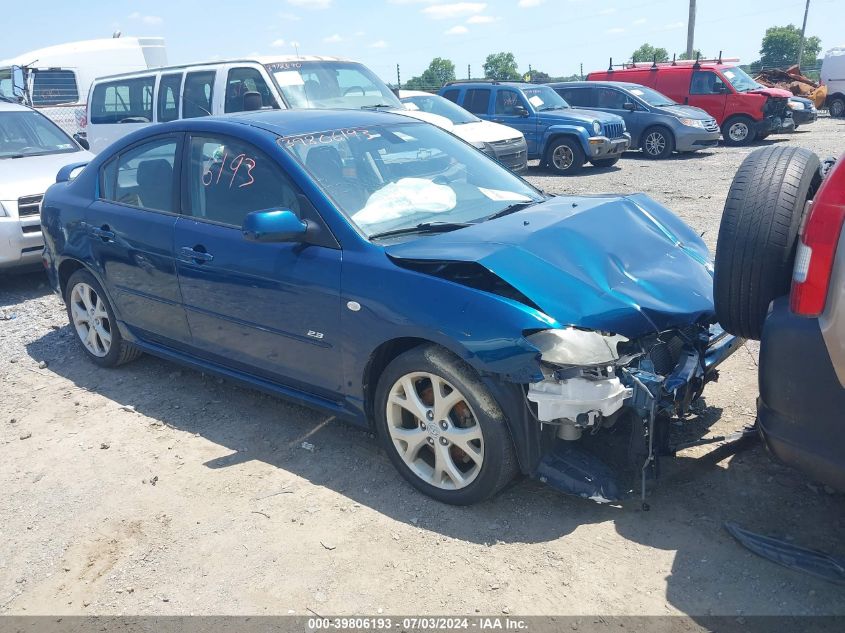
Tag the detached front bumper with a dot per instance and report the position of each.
(603, 147)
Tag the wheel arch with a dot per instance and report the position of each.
(559, 131)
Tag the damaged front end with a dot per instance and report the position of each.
(592, 380)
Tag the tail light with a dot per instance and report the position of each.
(817, 246)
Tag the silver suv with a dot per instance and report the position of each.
(780, 278)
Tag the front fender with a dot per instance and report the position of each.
(566, 130)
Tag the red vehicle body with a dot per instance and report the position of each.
(744, 109)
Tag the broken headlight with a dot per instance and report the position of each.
(570, 346)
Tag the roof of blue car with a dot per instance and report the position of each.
(627, 85)
(286, 122)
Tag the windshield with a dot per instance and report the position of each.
(328, 84)
(28, 133)
(739, 79)
(438, 105)
(544, 98)
(385, 178)
(652, 97)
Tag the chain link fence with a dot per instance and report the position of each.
(71, 118)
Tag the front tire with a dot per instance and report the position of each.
(441, 427)
(738, 130)
(92, 318)
(565, 157)
(658, 143)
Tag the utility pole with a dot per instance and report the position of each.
(582, 71)
(398, 78)
(803, 28)
(469, 71)
(691, 28)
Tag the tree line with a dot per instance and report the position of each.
(779, 49)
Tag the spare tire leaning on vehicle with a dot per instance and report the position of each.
(758, 234)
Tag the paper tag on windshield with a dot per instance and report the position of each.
(502, 196)
(535, 101)
(289, 78)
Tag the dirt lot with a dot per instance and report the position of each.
(154, 489)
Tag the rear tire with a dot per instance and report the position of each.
(565, 156)
(92, 318)
(657, 143)
(738, 130)
(448, 407)
(755, 251)
(836, 107)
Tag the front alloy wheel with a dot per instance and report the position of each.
(442, 427)
(435, 431)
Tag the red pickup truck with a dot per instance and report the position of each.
(745, 110)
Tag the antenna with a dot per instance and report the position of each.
(115, 35)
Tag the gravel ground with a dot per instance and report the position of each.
(154, 489)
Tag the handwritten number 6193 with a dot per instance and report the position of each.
(238, 162)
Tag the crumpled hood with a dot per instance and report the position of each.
(685, 112)
(584, 117)
(622, 264)
(32, 175)
(771, 92)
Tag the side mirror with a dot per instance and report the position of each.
(18, 82)
(521, 111)
(83, 142)
(273, 225)
(629, 106)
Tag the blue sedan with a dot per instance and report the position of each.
(381, 269)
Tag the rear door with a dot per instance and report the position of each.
(268, 309)
(130, 229)
(708, 92)
(477, 101)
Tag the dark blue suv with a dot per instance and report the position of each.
(561, 137)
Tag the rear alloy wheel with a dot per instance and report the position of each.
(836, 107)
(657, 143)
(565, 157)
(738, 130)
(93, 320)
(441, 427)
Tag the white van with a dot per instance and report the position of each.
(55, 80)
(121, 104)
(833, 76)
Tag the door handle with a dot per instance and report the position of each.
(192, 254)
(104, 233)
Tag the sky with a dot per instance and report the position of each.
(554, 36)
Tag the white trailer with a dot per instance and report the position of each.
(55, 80)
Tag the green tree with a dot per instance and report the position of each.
(780, 47)
(439, 72)
(537, 76)
(695, 53)
(647, 53)
(501, 66)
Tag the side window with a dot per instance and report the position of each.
(576, 97)
(610, 98)
(507, 101)
(227, 179)
(241, 81)
(168, 97)
(197, 98)
(706, 82)
(477, 100)
(123, 101)
(452, 95)
(142, 176)
(52, 87)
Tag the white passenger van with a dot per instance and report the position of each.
(121, 104)
(55, 80)
(833, 76)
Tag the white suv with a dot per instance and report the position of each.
(32, 151)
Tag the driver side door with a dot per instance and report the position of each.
(266, 309)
